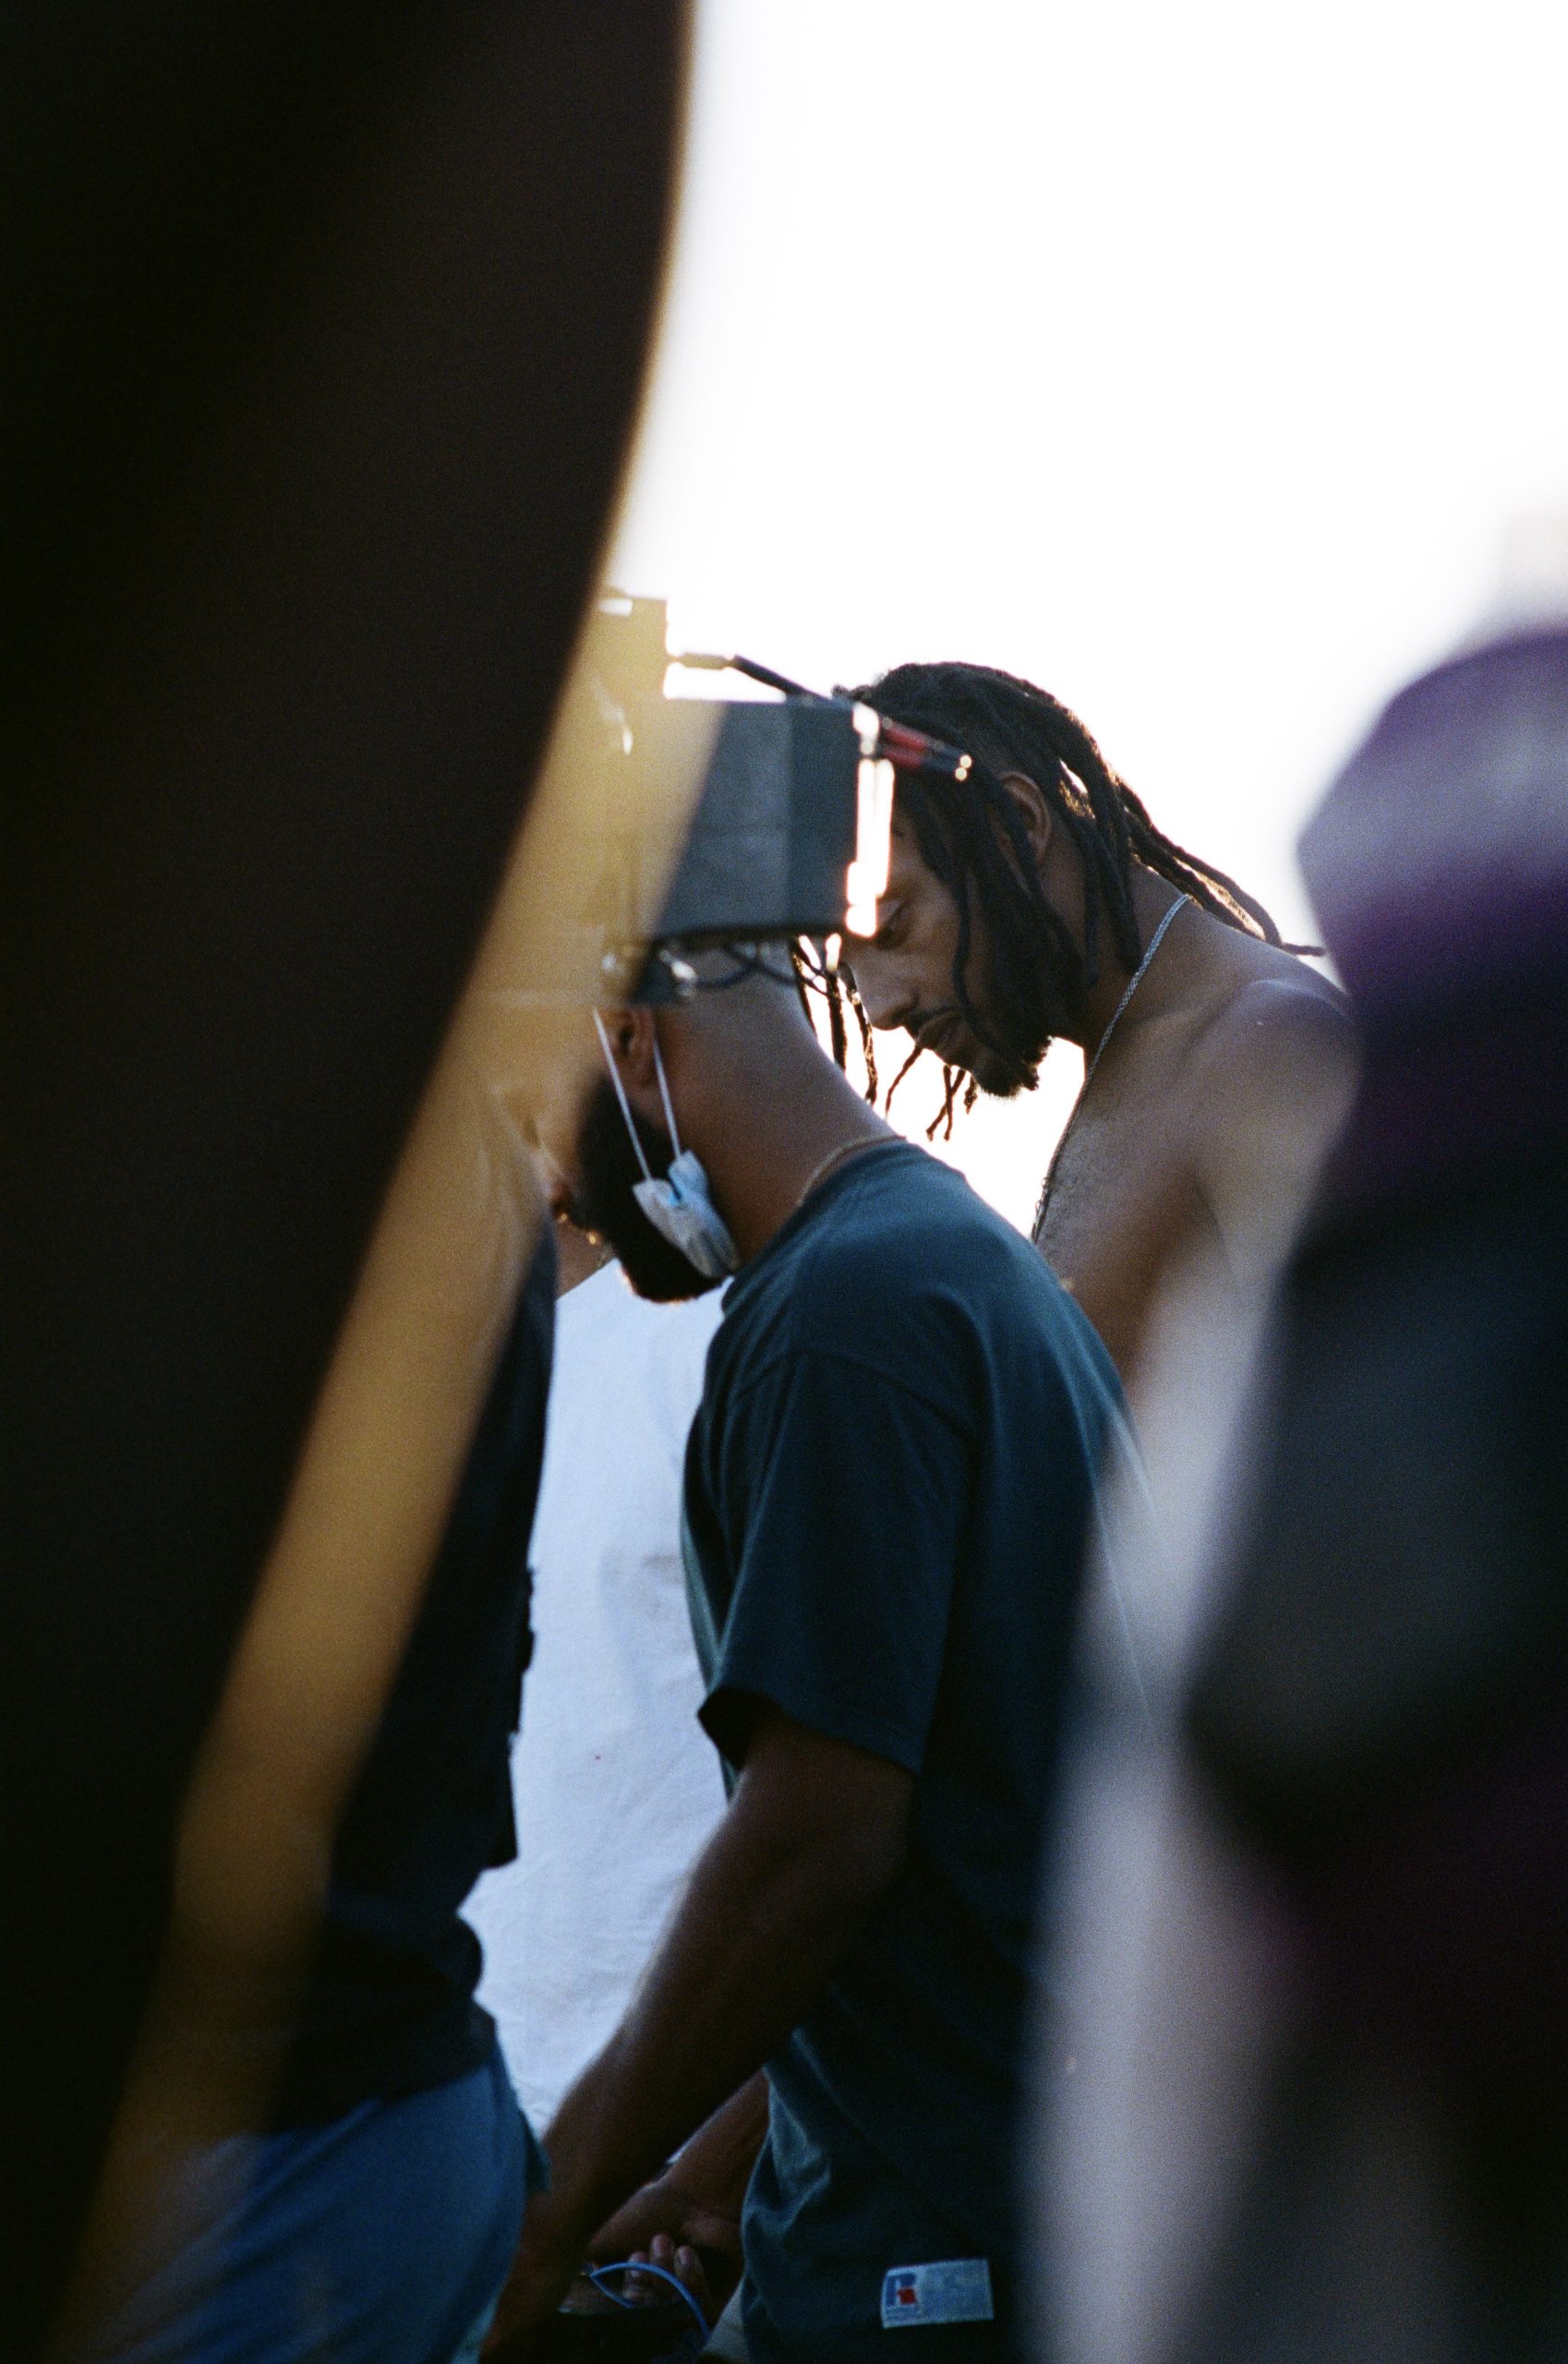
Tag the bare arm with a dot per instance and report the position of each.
(698, 2198)
(815, 1831)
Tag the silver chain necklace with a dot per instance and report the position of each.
(1132, 984)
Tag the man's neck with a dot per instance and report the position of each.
(764, 1156)
(1153, 896)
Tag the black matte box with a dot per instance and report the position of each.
(775, 826)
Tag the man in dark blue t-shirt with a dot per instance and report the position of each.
(889, 1487)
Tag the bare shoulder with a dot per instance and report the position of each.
(1287, 1032)
(1270, 1079)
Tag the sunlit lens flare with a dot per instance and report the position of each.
(866, 880)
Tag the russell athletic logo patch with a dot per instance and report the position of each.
(957, 2291)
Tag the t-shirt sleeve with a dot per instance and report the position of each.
(843, 1496)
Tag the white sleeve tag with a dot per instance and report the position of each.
(958, 2291)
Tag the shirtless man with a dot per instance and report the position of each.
(1037, 900)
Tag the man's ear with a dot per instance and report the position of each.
(631, 1039)
(1034, 811)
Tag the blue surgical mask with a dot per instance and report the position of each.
(677, 1204)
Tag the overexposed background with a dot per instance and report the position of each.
(1207, 366)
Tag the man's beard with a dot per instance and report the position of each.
(1003, 1069)
(1001, 1041)
(999, 1077)
(602, 1201)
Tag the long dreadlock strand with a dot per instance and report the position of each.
(836, 1025)
(868, 1038)
(916, 1056)
(1212, 887)
(960, 1089)
(837, 990)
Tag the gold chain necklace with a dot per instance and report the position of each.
(1133, 982)
(820, 1172)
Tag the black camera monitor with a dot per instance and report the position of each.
(696, 821)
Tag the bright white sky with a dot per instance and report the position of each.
(1196, 362)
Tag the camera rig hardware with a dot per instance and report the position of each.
(783, 821)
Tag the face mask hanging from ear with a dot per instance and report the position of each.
(677, 1206)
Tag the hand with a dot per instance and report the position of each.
(687, 2268)
(662, 2213)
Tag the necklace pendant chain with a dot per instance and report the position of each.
(1132, 984)
(836, 1157)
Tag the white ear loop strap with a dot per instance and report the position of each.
(625, 1103)
(621, 1095)
(664, 1095)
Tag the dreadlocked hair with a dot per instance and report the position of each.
(839, 991)
(972, 834)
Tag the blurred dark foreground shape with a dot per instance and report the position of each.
(1382, 1716)
(1317, 1954)
(326, 331)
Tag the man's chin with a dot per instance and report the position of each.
(655, 1268)
(1001, 1078)
(667, 1280)
(957, 1046)
(999, 1082)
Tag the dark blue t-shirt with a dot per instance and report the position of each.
(889, 1489)
(389, 2008)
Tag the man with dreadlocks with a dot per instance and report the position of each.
(1035, 898)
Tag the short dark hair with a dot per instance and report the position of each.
(972, 836)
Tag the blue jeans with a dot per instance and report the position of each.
(381, 2237)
